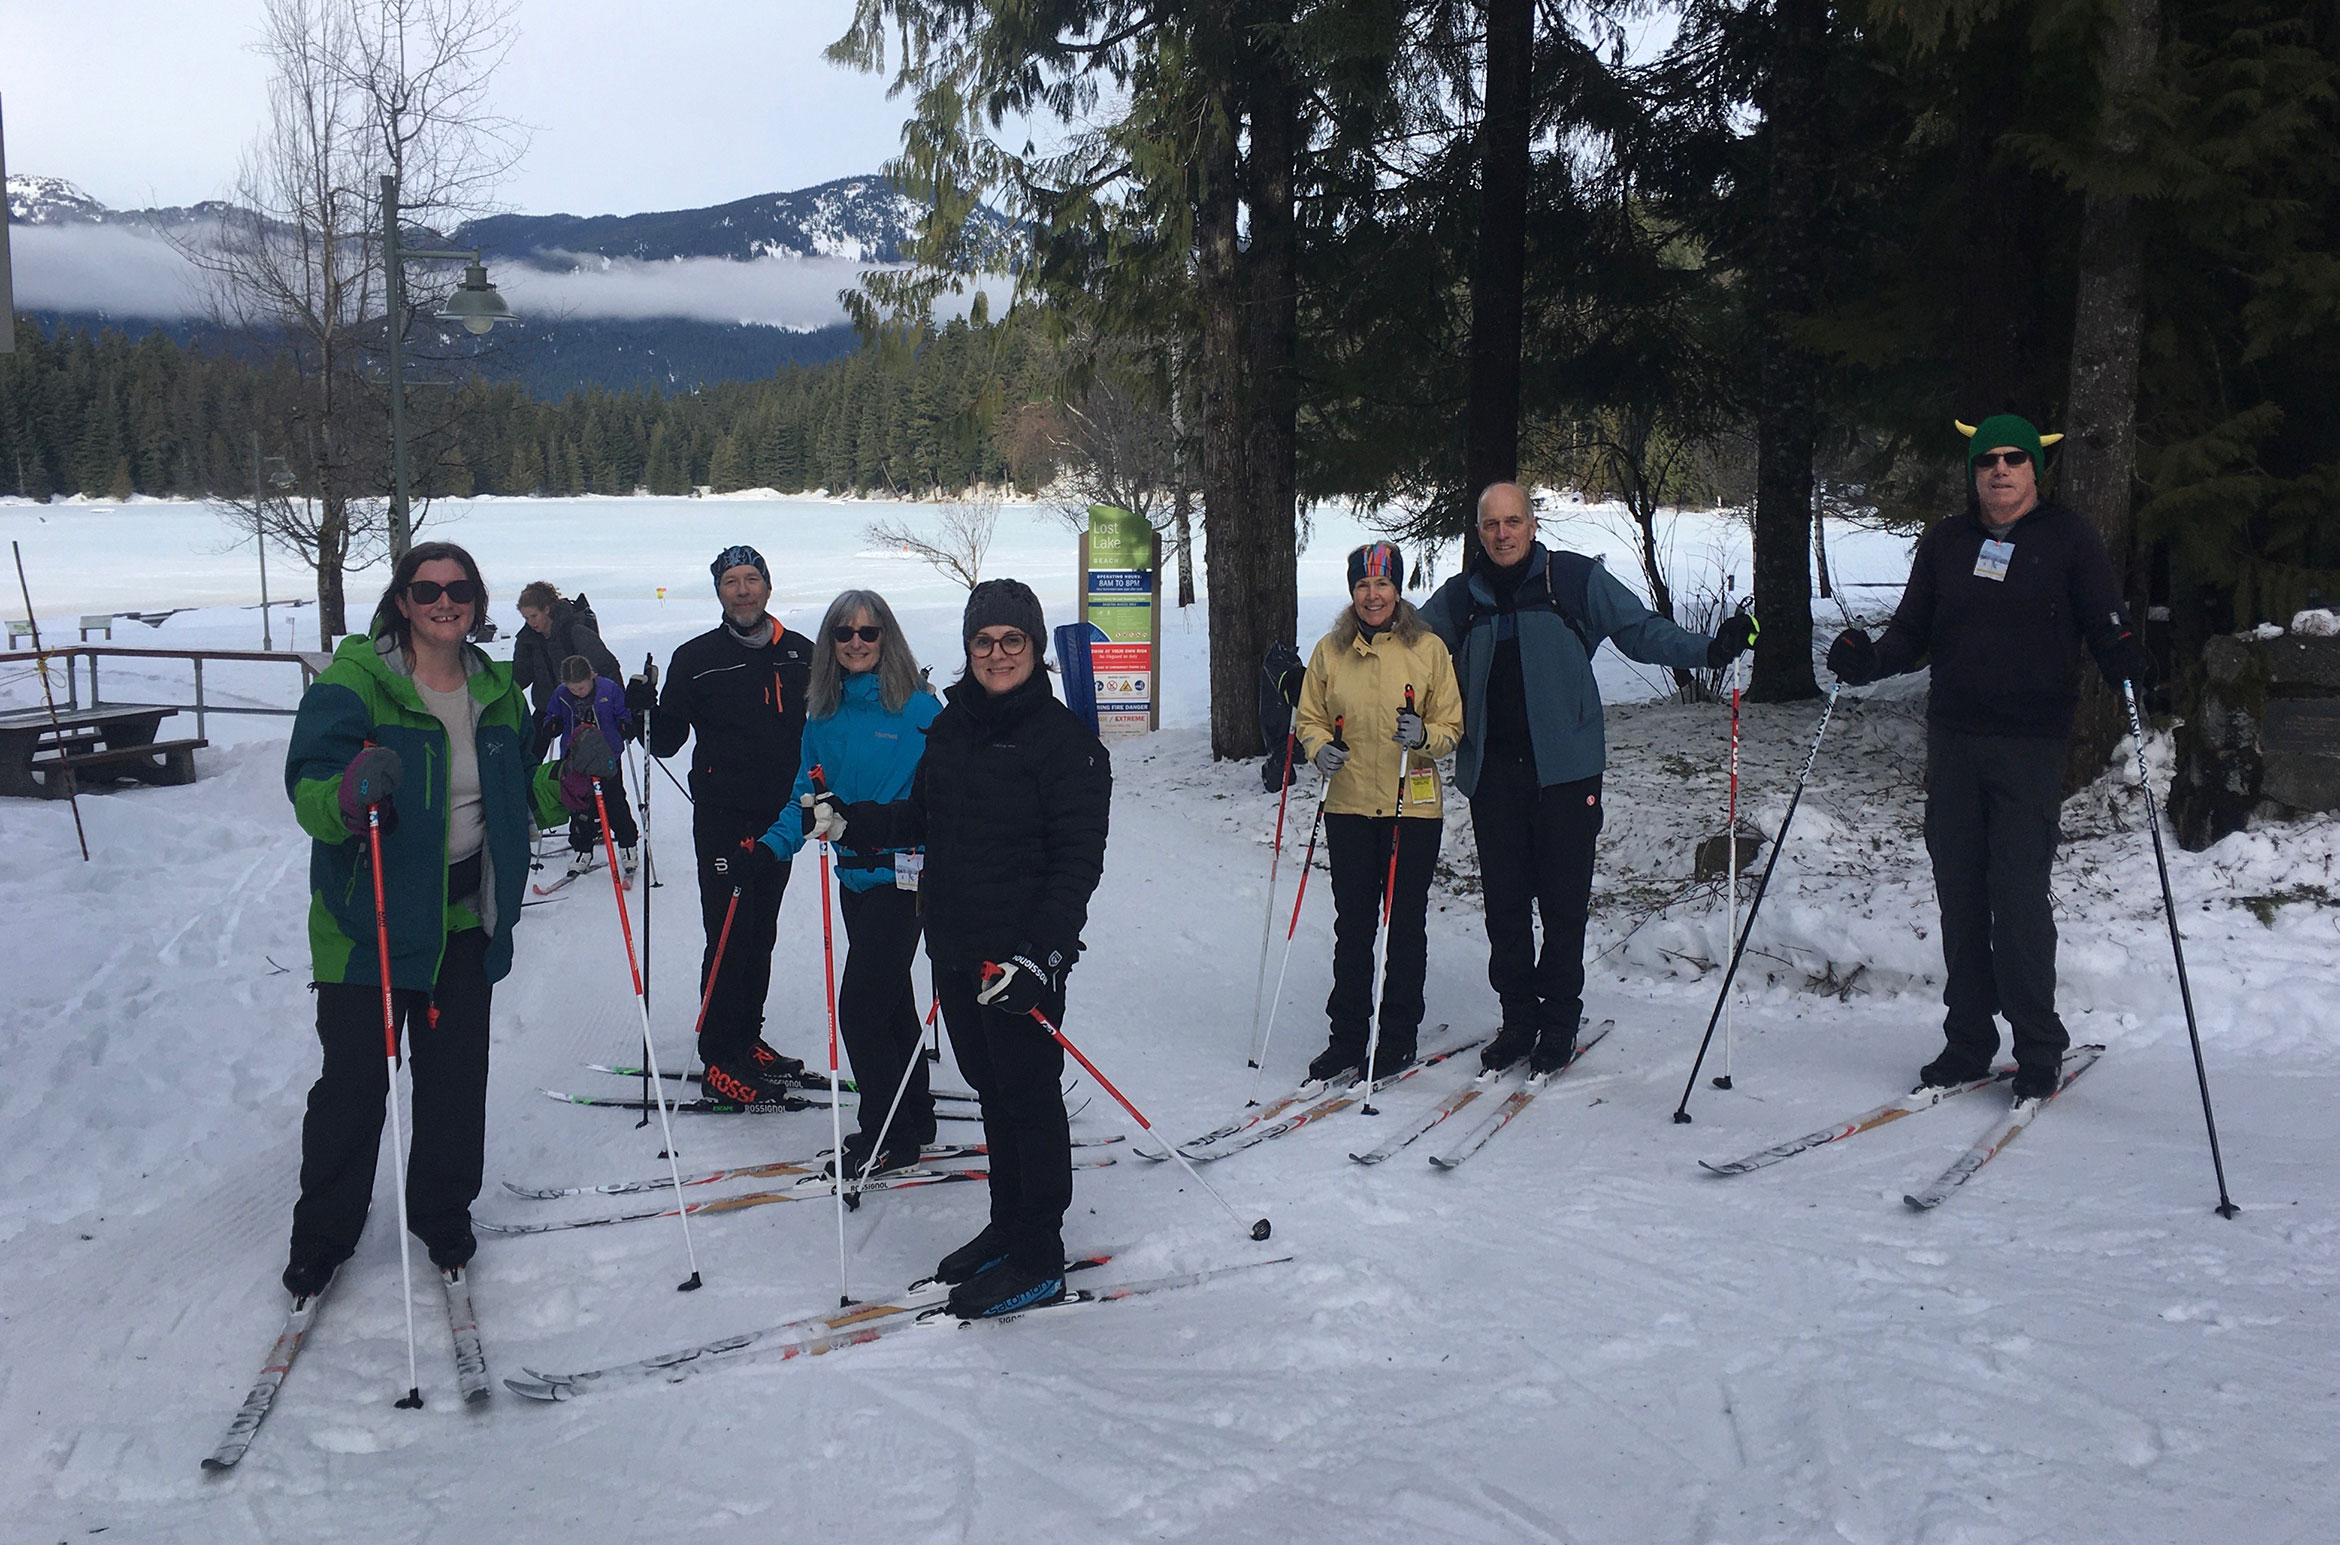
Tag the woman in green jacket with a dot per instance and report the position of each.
(414, 720)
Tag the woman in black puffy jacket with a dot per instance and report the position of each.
(1011, 803)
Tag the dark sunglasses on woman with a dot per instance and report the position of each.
(2011, 458)
(846, 635)
(425, 591)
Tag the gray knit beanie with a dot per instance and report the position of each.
(1004, 603)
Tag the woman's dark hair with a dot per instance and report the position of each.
(387, 617)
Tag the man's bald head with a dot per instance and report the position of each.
(1507, 523)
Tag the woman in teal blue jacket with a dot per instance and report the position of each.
(867, 710)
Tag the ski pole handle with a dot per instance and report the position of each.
(1338, 721)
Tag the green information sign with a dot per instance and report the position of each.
(1117, 593)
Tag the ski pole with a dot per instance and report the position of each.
(869, 1165)
(1739, 951)
(836, 1119)
(649, 1048)
(649, 881)
(49, 694)
(1291, 930)
(1267, 920)
(413, 1400)
(1397, 820)
(2226, 1207)
(1258, 1230)
(934, 1046)
(1731, 926)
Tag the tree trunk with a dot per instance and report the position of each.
(332, 548)
(1265, 609)
(1820, 556)
(1499, 264)
(1220, 387)
(1786, 424)
(2098, 466)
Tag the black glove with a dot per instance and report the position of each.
(1411, 732)
(2131, 662)
(1852, 659)
(1734, 638)
(751, 863)
(1024, 981)
(370, 779)
(589, 756)
(824, 817)
(641, 697)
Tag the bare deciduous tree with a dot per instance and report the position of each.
(294, 264)
(957, 549)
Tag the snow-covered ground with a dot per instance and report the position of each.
(1576, 1336)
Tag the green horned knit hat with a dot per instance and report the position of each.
(2004, 429)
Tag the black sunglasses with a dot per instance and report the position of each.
(2011, 458)
(845, 634)
(424, 591)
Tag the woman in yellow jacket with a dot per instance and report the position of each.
(1381, 787)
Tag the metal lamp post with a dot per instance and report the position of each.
(475, 304)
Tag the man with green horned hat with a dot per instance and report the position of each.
(2000, 601)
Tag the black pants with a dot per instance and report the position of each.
(1535, 859)
(1357, 849)
(1992, 803)
(446, 1043)
(877, 1013)
(585, 824)
(735, 1014)
(1014, 1065)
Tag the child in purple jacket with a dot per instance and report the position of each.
(586, 700)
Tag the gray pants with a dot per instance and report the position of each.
(1992, 803)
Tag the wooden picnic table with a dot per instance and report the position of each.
(45, 758)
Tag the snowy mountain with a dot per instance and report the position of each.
(669, 299)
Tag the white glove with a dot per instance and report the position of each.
(824, 818)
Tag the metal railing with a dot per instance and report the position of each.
(310, 663)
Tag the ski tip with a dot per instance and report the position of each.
(213, 1464)
(476, 1396)
(1918, 1204)
(530, 1389)
(1713, 1168)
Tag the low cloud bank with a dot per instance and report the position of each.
(127, 272)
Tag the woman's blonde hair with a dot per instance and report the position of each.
(897, 668)
(1405, 622)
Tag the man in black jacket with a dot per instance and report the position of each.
(740, 688)
(555, 628)
(2000, 600)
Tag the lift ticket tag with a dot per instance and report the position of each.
(1421, 785)
(908, 869)
(1993, 560)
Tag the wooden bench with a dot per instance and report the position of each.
(97, 622)
(86, 747)
(18, 628)
(163, 763)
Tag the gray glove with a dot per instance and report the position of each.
(1331, 758)
(1411, 732)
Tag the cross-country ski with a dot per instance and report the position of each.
(2009, 1127)
(1923, 1097)
(1536, 1082)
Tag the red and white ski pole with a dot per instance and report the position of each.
(413, 1400)
(617, 887)
(1731, 837)
(1259, 1229)
(1292, 929)
(836, 1119)
(1267, 921)
(1397, 825)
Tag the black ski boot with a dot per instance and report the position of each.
(772, 1067)
(306, 1278)
(1511, 1043)
(2037, 1080)
(1953, 1067)
(898, 1156)
(1007, 1288)
(1394, 1055)
(1555, 1048)
(1338, 1058)
(743, 1085)
(976, 1256)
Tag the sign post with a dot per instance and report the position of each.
(1121, 570)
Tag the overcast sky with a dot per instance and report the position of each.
(636, 106)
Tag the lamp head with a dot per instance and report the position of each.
(475, 302)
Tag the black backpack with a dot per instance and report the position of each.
(1280, 676)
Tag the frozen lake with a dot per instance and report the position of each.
(643, 564)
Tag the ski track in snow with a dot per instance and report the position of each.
(1578, 1336)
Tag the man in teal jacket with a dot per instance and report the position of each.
(1522, 625)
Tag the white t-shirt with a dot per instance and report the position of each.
(466, 818)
